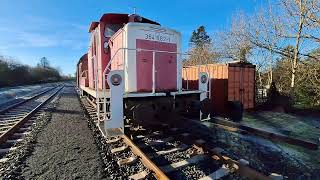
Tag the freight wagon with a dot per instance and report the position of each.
(232, 86)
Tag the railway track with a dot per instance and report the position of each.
(171, 153)
(15, 102)
(16, 120)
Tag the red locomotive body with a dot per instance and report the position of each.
(82, 71)
(134, 70)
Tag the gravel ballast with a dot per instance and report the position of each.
(65, 148)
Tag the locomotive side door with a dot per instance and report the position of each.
(144, 62)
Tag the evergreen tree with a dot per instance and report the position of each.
(44, 63)
(200, 37)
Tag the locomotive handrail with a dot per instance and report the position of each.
(108, 68)
(138, 50)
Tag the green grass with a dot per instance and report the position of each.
(299, 127)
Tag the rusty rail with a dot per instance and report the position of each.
(4, 137)
(145, 160)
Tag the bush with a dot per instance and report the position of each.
(13, 73)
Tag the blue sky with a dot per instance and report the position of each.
(58, 30)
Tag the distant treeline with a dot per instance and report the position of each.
(13, 73)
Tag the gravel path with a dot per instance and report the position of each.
(65, 148)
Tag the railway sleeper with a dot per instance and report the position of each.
(119, 149)
(127, 161)
(19, 135)
(140, 175)
(14, 140)
(3, 160)
(3, 129)
(175, 166)
(8, 117)
(23, 129)
(113, 140)
(18, 111)
(218, 174)
(9, 124)
(6, 150)
(155, 143)
(12, 120)
(156, 133)
(182, 147)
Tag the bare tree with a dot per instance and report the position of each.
(202, 55)
(301, 21)
(234, 43)
(264, 31)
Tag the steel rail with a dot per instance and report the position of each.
(144, 159)
(135, 149)
(5, 136)
(26, 100)
(242, 170)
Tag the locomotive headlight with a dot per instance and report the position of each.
(106, 47)
(116, 79)
(204, 79)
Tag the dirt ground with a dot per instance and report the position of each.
(65, 148)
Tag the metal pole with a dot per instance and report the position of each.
(187, 79)
(153, 73)
(96, 86)
(104, 97)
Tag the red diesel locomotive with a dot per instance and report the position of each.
(133, 72)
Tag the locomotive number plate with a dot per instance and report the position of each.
(158, 37)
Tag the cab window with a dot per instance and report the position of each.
(110, 29)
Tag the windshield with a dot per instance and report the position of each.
(110, 29)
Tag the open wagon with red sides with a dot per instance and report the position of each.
(134, 72)
(232, 86)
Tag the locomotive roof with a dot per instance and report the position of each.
(84, 57)
(116, 18)
(93, 25)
